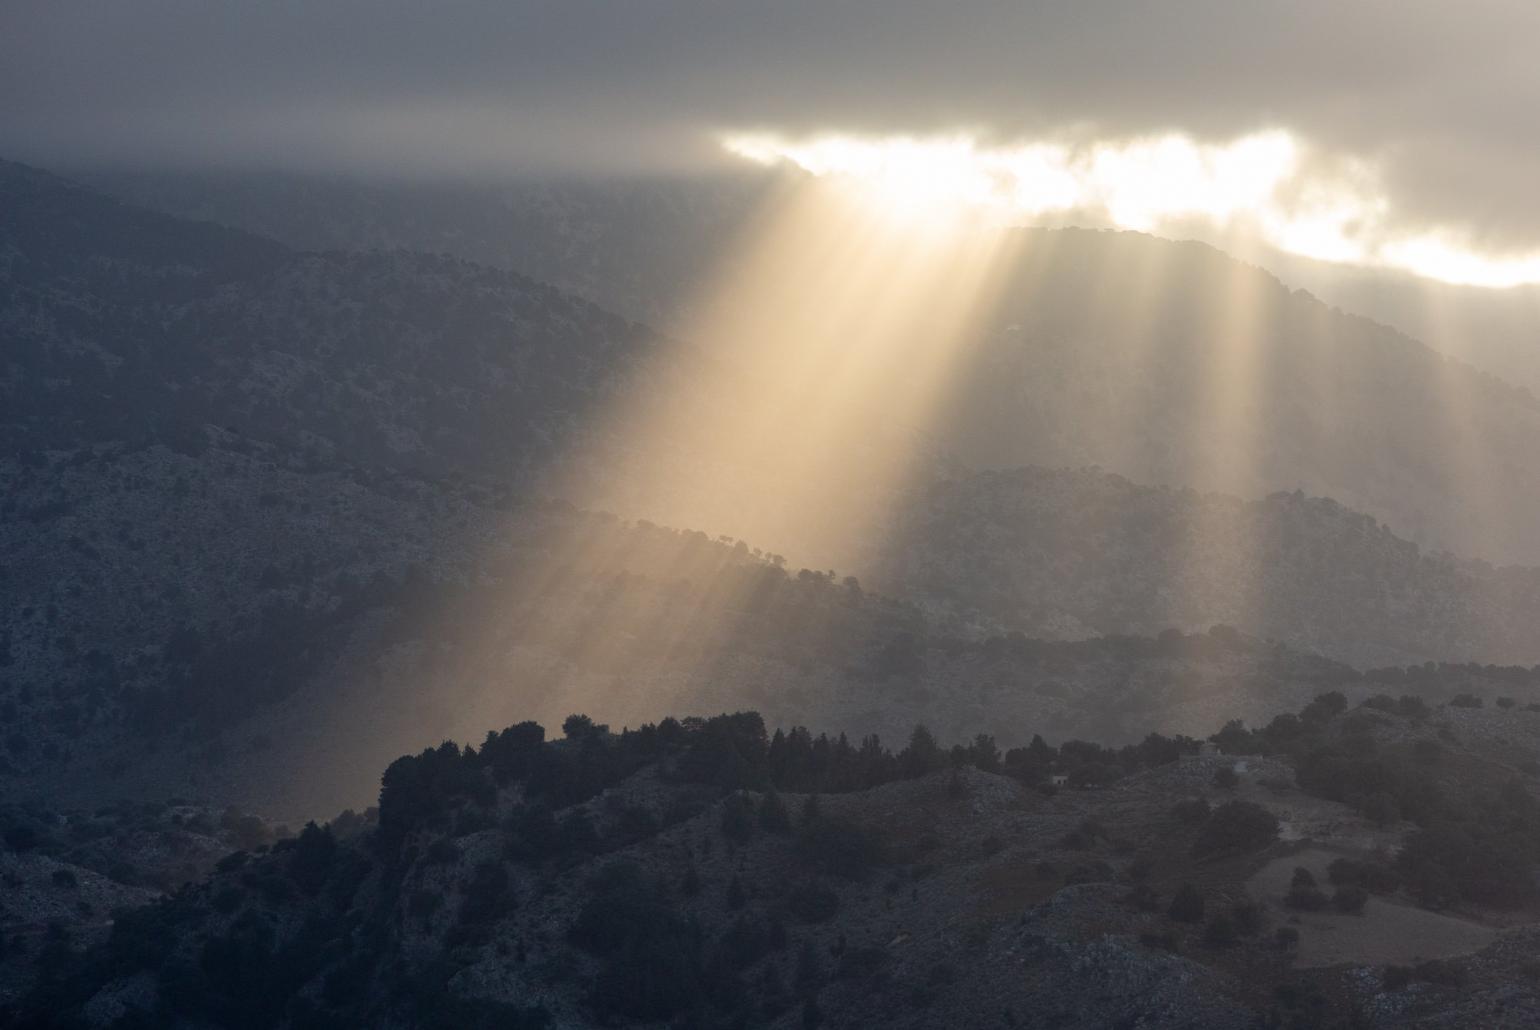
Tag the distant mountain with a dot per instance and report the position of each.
(126, 325)
(1165, 362)
(642, 247)
(225, 628)
(1078, 553)
(1175, 365)
(270, 516)
(1495, 330)
(639, 246)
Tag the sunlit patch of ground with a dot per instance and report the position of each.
(1386, 933)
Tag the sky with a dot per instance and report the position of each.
(1423, 110)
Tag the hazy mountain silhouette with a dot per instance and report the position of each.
(1076, 553)
(1114, 349)
(240, 474)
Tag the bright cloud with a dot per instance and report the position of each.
(1267, 183)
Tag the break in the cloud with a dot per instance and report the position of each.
(1266, 186)
(1439, 99)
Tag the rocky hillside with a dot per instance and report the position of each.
(1076, 553)
(271, 634)
(705, 871)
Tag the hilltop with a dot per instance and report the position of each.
(1068, 553)
(704, 870)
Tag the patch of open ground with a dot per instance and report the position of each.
(1386, 933)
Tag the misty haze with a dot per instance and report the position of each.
(713, 515)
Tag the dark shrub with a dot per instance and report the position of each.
(652, 965)
(1350, 899)
(650, 980)
(1236, 827)
(841, 848)
(314, 853)
(1370, 875)
(1089, 872)
(1192, 812)
(773, 817)
(1143, 898)
(421, 904)
(746, 941)
(443, 851)
(1428, 752)
(812, 902)
(231, 862)
(1220, 932)
(488, 894)
(1443, 972)
(1187, 904)
(863, 964)
(737, 818)
(575, 834)
(624, 905)
(532, 833)
(1248, 917)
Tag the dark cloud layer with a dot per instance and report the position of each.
(1446, 96)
